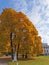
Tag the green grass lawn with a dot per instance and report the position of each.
(42, 60)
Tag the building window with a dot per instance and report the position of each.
(47, 50)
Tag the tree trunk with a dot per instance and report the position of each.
(11, 46)
(17, 51)
(26, 55)
(17, 55)
(22, 56)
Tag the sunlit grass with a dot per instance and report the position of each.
(42, 60)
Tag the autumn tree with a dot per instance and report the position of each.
(38, 49)
(24, 34)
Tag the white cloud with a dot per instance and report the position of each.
(38, 12)
(47, 1)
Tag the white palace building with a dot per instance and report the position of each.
(46, 48)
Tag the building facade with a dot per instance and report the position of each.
(46, 48)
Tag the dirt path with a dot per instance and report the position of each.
(4, 60)
(3, 64)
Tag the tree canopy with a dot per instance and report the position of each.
(26, 35)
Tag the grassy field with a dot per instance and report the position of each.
(42, 60)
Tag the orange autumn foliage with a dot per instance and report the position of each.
(26, 33)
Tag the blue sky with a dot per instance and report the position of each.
(36, 10)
